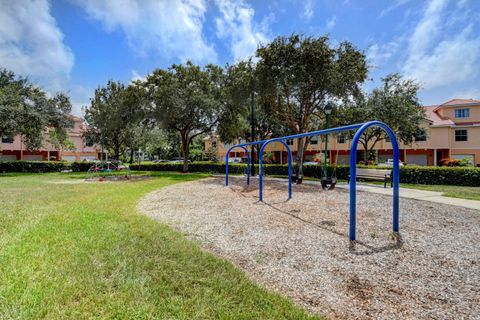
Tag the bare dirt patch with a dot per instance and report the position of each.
(301, 248)
(118, 178)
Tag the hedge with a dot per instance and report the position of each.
(32, 166)
(43, 166)
(461, 176)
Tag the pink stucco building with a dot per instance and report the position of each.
(14, 149)
(451, 130)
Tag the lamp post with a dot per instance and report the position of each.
(328, 110)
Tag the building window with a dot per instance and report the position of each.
(290, 142)
(340, 139)
(214, 144)
(314, 140)
(421, 135)
(461, 135)
(462, 113)
(7, 139)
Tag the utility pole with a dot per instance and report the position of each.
(252, 138)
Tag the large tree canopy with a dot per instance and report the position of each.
(395, 103)
(27, 110)
(114, 114)
(299, 75)
(188, 100)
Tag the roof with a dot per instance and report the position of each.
(433, 116)
(437, 119)
(460, 102)
(76, 118)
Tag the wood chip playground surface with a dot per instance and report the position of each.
(301, 249)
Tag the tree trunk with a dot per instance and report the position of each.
(185, 147)
(116, 151)
(131, 156)
(299, 160)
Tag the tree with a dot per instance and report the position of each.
(395, 103)
(248, 116)
(242, 93)
(300, 74)
(187, 99)
(114, 113)
(26, 110)
(161, 143)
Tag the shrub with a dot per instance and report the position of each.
(465, 176)
(461, 176)
(81, 166)
(32, 166)
(43, 166)
(449, 162)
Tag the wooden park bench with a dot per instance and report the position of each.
(375, 174)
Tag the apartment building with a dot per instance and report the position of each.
(450, 130)
(13, 148)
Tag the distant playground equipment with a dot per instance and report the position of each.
(328, 182)
(109, 170)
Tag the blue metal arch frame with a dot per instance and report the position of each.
(353, 166)
(260, 164)
(243, 146)
(353, 175)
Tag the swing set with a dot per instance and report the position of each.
(328, 182)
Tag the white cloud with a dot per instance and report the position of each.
(79, 97)
(238, 25)
(136, 76)
(170, 29)
(377, 54)
(471, 93)
(31, 44)
(307, 10)
(331, 23)
(438, 56)
(395, 5)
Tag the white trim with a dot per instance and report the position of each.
(471, 104)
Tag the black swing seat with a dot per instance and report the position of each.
(328, 183)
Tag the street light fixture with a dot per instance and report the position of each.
(328, 111)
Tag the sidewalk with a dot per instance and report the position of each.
(423, 195)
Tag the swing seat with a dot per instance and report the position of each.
(328, 183)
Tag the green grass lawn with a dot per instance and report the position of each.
(472, 193)
(70, 249)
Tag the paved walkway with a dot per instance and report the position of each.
(432, 196)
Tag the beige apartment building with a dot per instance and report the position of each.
(13, 148)
(451, 130)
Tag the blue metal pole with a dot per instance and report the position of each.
(396, 183)
(260, 172)
(289, 172)
(353, 175)
(260, 165)
(243, 146)
(353, 185)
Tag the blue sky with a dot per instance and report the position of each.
(77, 45)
